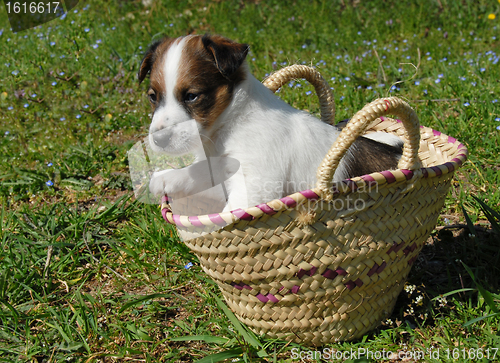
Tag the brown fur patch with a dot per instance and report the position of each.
(199, 74)
(151, 63)
(369, 156)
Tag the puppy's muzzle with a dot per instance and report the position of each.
(162, 137)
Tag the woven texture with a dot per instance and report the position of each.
(327, 105)
(327, 264)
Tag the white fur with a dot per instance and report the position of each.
(278, 146)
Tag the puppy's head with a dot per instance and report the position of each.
(192, 80)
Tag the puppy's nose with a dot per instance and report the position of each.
(162, 138)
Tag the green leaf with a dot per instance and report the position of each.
(484, 293)
(204, 338)
(470, 322)
(453, 292)
(245, 333)
(142, 299)
(492, 215)
(219, 357)
(472, 229)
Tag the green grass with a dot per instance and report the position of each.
(88, 274)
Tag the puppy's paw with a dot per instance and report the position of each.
(158, 183)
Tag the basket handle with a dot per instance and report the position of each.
(356, 127)
(327, 104)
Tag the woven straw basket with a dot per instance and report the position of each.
(304, 267)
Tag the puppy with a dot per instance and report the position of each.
(207, 103)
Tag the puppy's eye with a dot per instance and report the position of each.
(190, 97)
(152, 96)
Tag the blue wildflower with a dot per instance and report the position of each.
(482, 69)
(15, 73)
(466, 104)
(52, 43)
(308, 93)
(188, 266)
(63, 119)
(417, 83)
(10, 108)
(26, 105)
(49, 183)
(54, 83)
(497, 120)
(86, 30)
(7, 132)
(78, 116)
(498, 128)
(437, 80)
(49, 164)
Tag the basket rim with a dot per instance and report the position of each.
(341, 187)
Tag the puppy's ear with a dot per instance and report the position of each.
(148, 60)
(228, 55)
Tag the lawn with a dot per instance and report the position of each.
(89, 274)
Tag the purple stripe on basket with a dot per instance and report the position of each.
(395, 247)
(289, 202)
(272, 298)
(425, 173)
(217, 219)
(195, 221)
(177, 220)
(341, 271)
(301, 273)
(241, 214)
(164, 212)
(388, 176)
(408, 173)
(412, 260)
(436, 133)
(369, 180)
(373, 270)
(382, 118)
(350, 285)
(247, 287)
(235, 285)
(438, 171)
(457, 160)
(309, 194)
(164, 199)
(358, 282)
(281, 288)
(262, 298)
(409, 249)
(451, 140)
(450, 166)
(329, 274)
(381, 267)
(266, 209)
(351, 184)
(295, 289)
(461, 146)
(312, 271)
